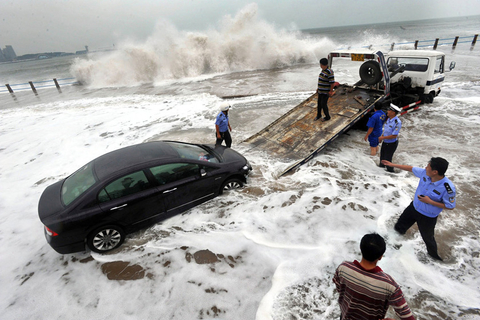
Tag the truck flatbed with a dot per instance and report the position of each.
(296, 136)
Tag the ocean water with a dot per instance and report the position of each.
(267, 251)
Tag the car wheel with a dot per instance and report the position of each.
(105, 239)
(231, 184)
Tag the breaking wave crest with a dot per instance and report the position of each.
(243, 42)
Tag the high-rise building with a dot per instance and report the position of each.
(9, 53)
(2, 57)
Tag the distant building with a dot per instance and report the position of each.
(9, 53)
(82, 51)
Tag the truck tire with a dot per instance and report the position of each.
(370, 72)
(428, 98)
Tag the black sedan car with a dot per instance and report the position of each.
(134, 187)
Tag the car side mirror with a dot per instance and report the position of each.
(452, 65)
(203, 173)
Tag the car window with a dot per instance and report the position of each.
(77, 184)
(411, 64)
(208, 168)
(172, 172)
(193, 152)
(126, 185)
(439, 65)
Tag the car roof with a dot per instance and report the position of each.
(117, 160)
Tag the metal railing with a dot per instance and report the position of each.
(434, 43)
(34, 85)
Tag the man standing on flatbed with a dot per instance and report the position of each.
(326, 82)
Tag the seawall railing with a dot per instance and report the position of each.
(34, 85)
(441, 42)
(434, 43)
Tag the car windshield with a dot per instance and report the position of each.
(193, 152)
(77, 184)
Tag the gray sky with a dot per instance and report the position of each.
(34, 26)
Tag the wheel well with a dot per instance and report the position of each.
(236, 176)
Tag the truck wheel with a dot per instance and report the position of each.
(428, 98)
(370, 72)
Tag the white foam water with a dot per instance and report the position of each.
(267, 251)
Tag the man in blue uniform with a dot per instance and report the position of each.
(375, 125)
(390, 136)
(435, 192)
(222, 126)
(326, 82)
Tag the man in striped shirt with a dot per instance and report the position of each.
(326, 82)
(365, 290)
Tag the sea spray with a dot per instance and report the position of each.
(239, 43)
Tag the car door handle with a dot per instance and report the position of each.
(119, 207)
(167, 191)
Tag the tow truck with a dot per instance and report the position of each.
(404, 78)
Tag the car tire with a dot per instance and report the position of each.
(231, 184)
(370, 72)
(105, 239)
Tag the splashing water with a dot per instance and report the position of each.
(243, 42)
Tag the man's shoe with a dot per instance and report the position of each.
(316, 118)
(435, 256)
(326, 119)
(399, 231)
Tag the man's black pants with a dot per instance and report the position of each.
(386, 153)
(426, 226)
(224, 136)
(322, 105)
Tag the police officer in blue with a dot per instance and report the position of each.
(375, 126)
(222, 126)
(390, 136)
(435, 192)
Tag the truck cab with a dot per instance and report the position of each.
(416, 75)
